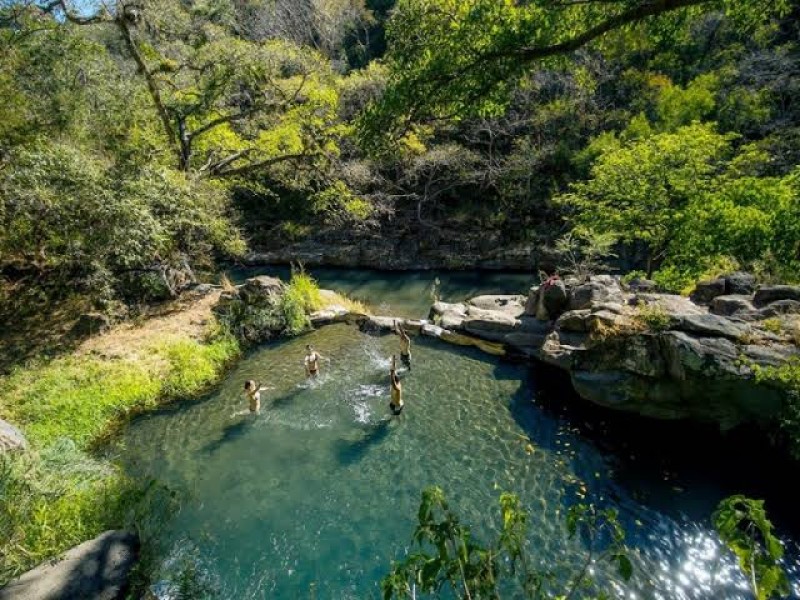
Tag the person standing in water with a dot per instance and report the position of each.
(396, 402)
(405, 347)
(253, 393)
(312, 361)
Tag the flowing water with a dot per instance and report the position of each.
(315, 496)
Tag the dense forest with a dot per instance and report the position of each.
(145, 139)
(147, 145)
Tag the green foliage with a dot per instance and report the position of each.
(448, 560)
(77, 397)
(653, 317)
(743, 525)
(677, 107)
(585, 252)
(692, 202)
(65, 209)
(773, 325)
(60, 496)
(432, 76)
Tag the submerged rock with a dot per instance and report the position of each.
(97, 569)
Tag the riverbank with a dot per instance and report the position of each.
(57, 493)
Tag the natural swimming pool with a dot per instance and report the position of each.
(316, 495)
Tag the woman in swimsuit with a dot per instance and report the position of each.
(396, 403)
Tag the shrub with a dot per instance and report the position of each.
(773, 325)
(653, 317)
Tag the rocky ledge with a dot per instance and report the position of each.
(624, 346)
(659, 355)
(98, 569)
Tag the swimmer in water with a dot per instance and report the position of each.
(396, 403)
(405, 347)
(312, 361)
(253, 393)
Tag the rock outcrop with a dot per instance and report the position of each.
(252, 310)
(97, 569)
(11, 438)
(659, 355)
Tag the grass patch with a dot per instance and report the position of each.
(56, 495)
(79, 396)
(653, 318)
(773, 325)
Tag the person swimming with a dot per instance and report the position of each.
(396, 403)
(253, 393)
(312, 361)
(405, 347)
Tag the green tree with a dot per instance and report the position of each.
(743, 525)
(449, 560)
(462, 58)
(640, 191)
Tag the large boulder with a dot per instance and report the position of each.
(705, 291)
(593, 292)
(261, 291)
(513, 305)
(11, 438)
(778, 308)
(740, 282)
(712, 326)
(772, 293)
(97, 569)
(729, 305)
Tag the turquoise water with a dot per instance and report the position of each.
(406, 293)
(315, 496)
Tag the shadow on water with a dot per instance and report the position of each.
(229, 434)
(678, 468)
(350, 452)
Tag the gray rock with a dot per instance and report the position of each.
(97, 569)
(479, 321)
(739, 283)
(433, 330)
(642, 285)
(712, 326)
(730, 305)
(573, 320)
(11, 438)
(674, 305)
(705, 291)
(379, 324)
(520, 339)
(451, 320)
(774, 355)
(513, 305)
(772, 293)
(593, 292)
(91, 324)
(778, 308)
(440, 308)
(688, 356)
(532, 301)
(261, 291)
(554, 298)
(333, 314)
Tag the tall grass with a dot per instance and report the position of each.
(56, 495)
